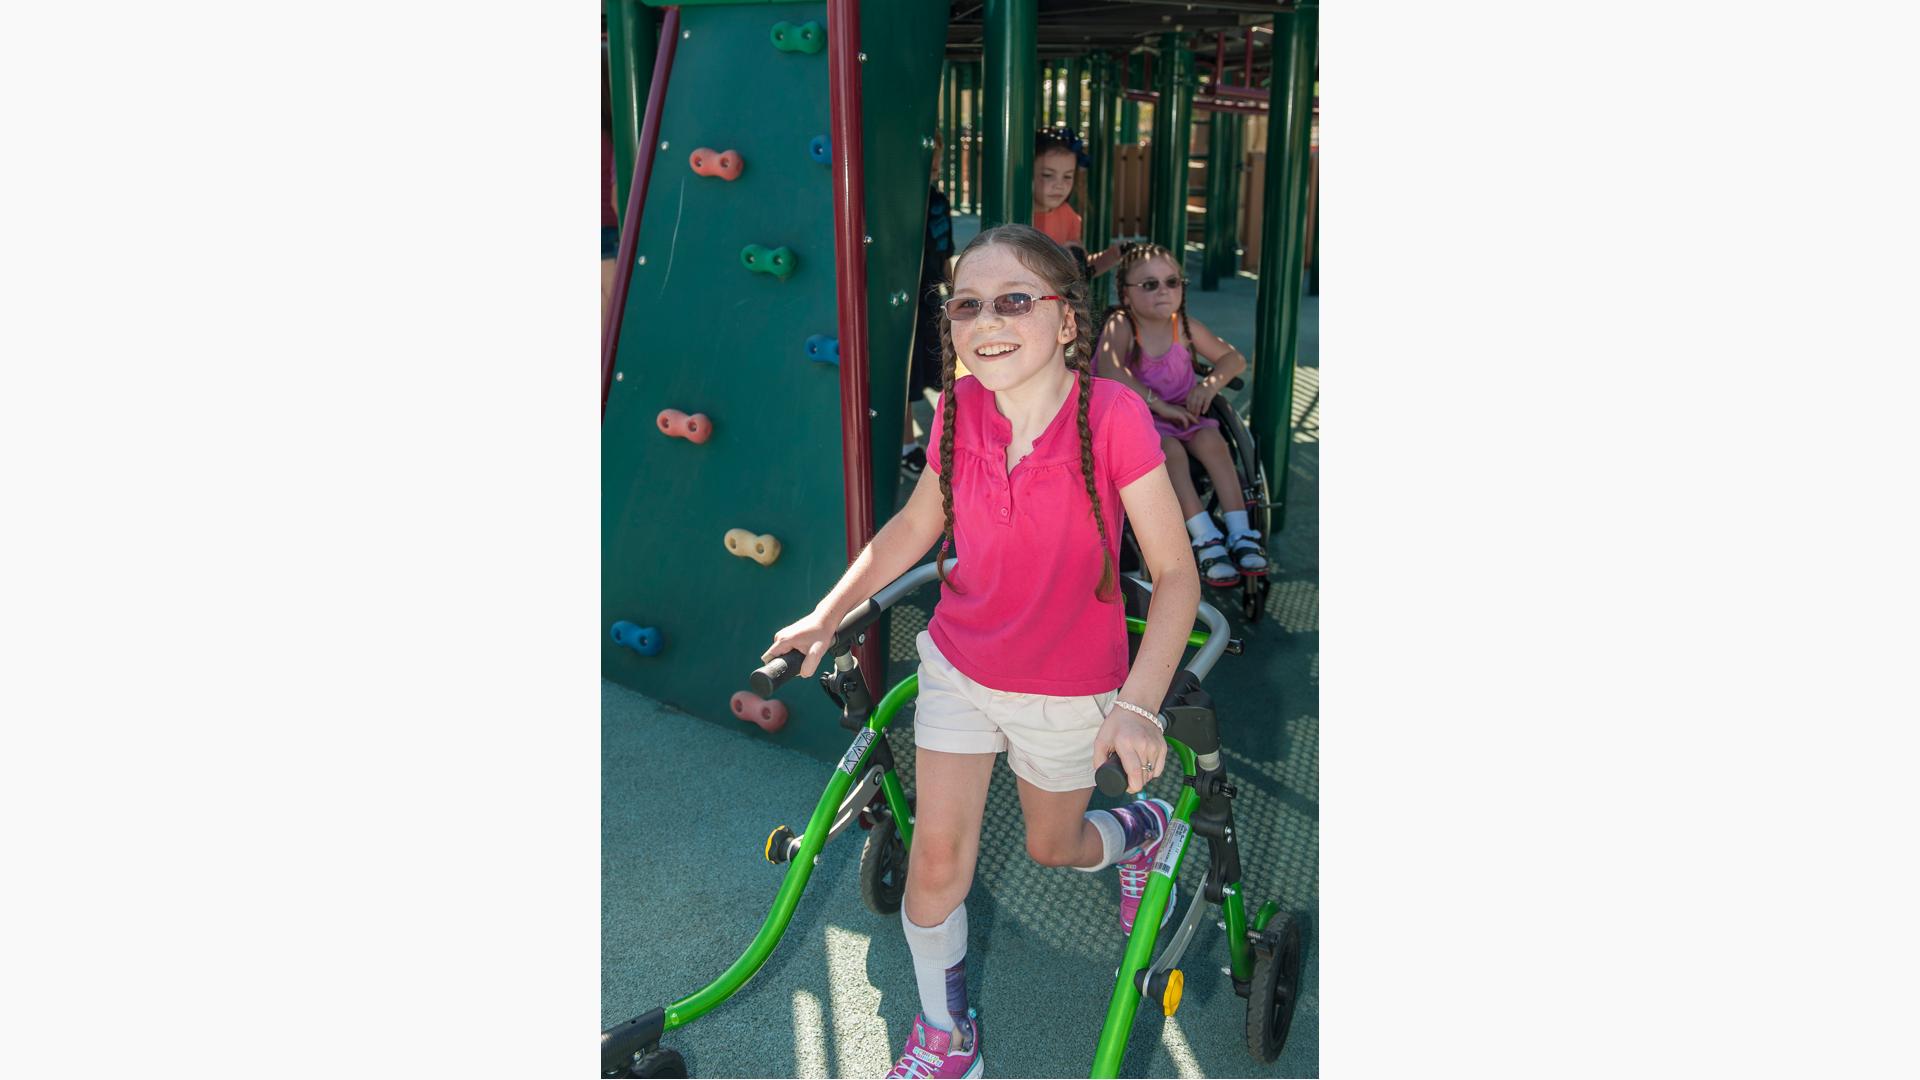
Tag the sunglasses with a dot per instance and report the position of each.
(1150, 285)
(961, 309)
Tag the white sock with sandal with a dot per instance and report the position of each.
(1236, 528)
(1201, 528)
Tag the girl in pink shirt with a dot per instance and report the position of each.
(1031, 469)
(1149, 344)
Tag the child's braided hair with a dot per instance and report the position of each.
(1038, 253)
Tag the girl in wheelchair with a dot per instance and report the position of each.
(1149, 343)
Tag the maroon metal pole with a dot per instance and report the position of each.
(1239, 108)
(636, 201)
(1219, 57)
(1251, 93)
(1249, 107)
(850, 292)
(1246, 74)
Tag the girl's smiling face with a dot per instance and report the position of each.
(1053, 178)
(1005, 351)
(1162, 302)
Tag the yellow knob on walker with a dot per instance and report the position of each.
(1170, 997)
(760, 547)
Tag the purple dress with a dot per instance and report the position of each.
(1171, 376)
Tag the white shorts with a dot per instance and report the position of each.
(1048, 740)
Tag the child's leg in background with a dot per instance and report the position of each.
(1181, 475)
(950, 800)
(1200, 525)
(1209, 447)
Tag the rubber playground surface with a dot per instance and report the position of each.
(687, 804)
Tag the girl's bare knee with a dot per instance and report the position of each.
(935, 868)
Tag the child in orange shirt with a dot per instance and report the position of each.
(1057, 157)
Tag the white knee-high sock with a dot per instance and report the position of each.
(940, 966)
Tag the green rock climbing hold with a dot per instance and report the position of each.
(806, 38)
(776, 261)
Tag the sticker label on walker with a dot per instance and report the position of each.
(857, 751)
(1176, 842)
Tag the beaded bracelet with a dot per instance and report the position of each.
(1132, 708)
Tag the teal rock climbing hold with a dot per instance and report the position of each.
(805, 38)
(776, 261)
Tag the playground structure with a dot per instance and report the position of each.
(771, 161)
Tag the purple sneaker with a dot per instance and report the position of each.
(930, 1054)
(1134, 869)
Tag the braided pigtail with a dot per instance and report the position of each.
(946, 449)
(1107, 591)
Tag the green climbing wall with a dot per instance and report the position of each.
(701, 333)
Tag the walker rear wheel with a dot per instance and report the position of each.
(1275, 988)
(883, 868)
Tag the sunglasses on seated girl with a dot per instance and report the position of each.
(1150, 285)
(963, 308)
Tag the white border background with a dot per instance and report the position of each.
(301, 476)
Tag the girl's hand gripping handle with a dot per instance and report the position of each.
(797, 647)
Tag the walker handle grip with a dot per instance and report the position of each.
(1110, 777)
(774, 673)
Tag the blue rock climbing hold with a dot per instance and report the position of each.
(824, 349)
(644, 640)
(820, 150)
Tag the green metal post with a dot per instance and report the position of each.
(962, 195)
(979, 141)
(1277, 305)
(1012, 45)
(1073, 95)
(1230, 255)
(1047, 95)
(1172, 142)
(1060, 93)
(632, 38)
(1222, 158)
(1132, 77)
(1099, 217)
(950, 129)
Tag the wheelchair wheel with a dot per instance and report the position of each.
(661, 1062)
(883, 869)
(1253, 491)
(1275, 988)
(1253, 598)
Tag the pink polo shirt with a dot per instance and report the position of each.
(1029, 553)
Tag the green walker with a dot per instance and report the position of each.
(1264, 959)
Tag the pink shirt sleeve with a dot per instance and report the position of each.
(1132, 443)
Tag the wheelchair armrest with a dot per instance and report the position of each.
(1235, 383)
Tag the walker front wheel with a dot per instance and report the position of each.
(883, 869)
(1275, 988)
(660, 1062)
